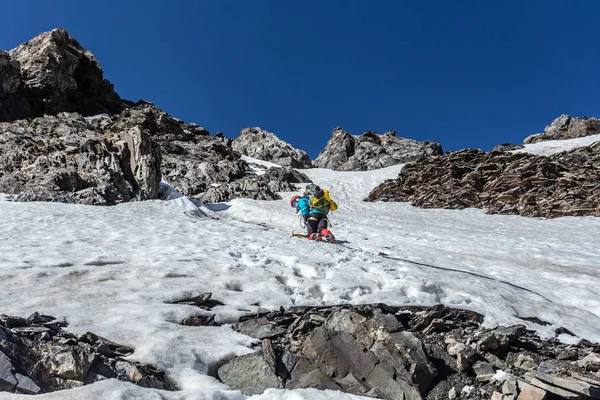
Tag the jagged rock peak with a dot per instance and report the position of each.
(258, 143)
(56, 74)
(567, 127)
(346, 152)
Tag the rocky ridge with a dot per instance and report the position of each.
(63, 158)
(50, 74)
(263, 145)
(566, 127)
(345, 152)
(500, 182)
(38, 356)
(108, 160)
(409, 353)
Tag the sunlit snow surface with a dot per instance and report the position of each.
(556, 146)
(114, 271)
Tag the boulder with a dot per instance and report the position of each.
(250, 373)
(346, 152)
(287, 174)
(263, 145)
(8, 382)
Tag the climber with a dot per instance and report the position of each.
(314, 206)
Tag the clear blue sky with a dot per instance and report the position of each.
(463, 73)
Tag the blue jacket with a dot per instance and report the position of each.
(303, 206)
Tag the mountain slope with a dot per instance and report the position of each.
(115, 271)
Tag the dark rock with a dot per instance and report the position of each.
(337, 353)
(545, 372)
(534, 389)
(513, 333)
(26, 385)
(250, 374)
(260, 328)
(506, 147)
(484, 371)
(263, 145)
(200, 320)
(393, 389)
(351, 348)
(8, 382)
(307, 375)
(257, 187)
(12, 322)
(13, 100)
(204, 301)
(422, 319)
(345, 152)
(422, 371)
(351, 322)
(502, 183)
(109, 348)
(287, 174)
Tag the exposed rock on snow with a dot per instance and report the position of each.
(287, 174)
(257, 187)
(562, 184)
(194, 162)
(38, 356)
(118, 158)
(64, 158)
(257, 143)
(403, 353)
(50, 74)
(345, 152)
(567, 127)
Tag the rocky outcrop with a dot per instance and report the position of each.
(123, 157)
(257, 187)
(65, 158)
(194, 162)
(345, 152)
(263, 145)
(408, 353)
(563, 184)
(567, 127)
(50, 74)
(287, 174)
(38, 356)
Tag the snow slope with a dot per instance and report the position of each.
(114, 271)
(550, 147)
